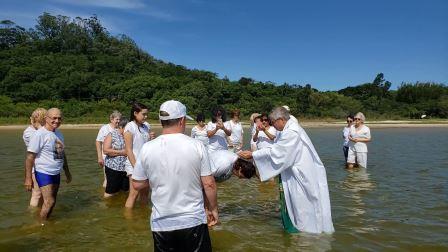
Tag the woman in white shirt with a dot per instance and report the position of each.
(114, 119)
(199, 131)
(37, 120)
(253, 145)
(359, 137)
(345, 134)
(264, 133)
(217, 131)
(136, 133)
(236, 138)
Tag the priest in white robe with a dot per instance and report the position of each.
(303, 175)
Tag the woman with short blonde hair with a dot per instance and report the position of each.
(359, 137)
(37, 120)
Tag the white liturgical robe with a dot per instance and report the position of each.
(304, 178)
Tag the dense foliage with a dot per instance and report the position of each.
(77, 65)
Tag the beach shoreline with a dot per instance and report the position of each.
(304, 124)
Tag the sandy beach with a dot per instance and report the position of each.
(305, 124)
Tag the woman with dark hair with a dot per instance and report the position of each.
(236, 138)
(264, 133)
(199, 131)
(346, 134)
(136, 133)
(217, 130)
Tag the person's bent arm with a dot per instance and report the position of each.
(227, 131)
(29, 163)
(211, 133)
(255, 137)
(140, 184)
(109, 151)
(99, 153)
(129, 144)
(268, 134)
(363, 140)
(208, 182)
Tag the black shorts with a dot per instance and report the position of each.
(116, 181)
(188, 239)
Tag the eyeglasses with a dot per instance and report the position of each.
(265, 120)
(349, 121)
(55, 118)
(357, 119)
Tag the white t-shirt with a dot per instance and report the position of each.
(363, 132)
(140, 135)
(174, 164)
(102, 134)
(217, 141)
(221, 163)
(49, 147)
(263, 139)
(345, 134)
(27, 133)
(199, 134)
(237, 132)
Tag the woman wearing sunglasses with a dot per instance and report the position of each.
(359, 137)
(264, 133)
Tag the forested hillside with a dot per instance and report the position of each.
(75, 64)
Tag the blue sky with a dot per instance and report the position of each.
(328, 44)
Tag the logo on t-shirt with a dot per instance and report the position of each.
(58, 152)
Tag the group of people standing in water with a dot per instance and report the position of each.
(181, 171)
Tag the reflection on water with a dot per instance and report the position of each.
(399, 203)
(357, 182)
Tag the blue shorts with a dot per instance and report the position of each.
(45, 179)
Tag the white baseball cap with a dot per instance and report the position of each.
(174, 109)
(286, 107)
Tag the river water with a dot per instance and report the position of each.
(399, 203)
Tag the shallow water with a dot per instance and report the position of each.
(399, 203)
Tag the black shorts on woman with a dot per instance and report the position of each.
(116, 181)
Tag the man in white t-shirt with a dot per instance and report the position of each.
(46, 154)
(114, 119)
(177, 169)
(224, 163)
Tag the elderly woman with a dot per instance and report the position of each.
(115, 161)
(236, 138)
(114, 119)
(37, 120)
(359, 137)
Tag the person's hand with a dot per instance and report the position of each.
(100, 162)
(68, 177)
(261, 127)
(245, 154)
(28, 184)
(212, 217)
(152, 135)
